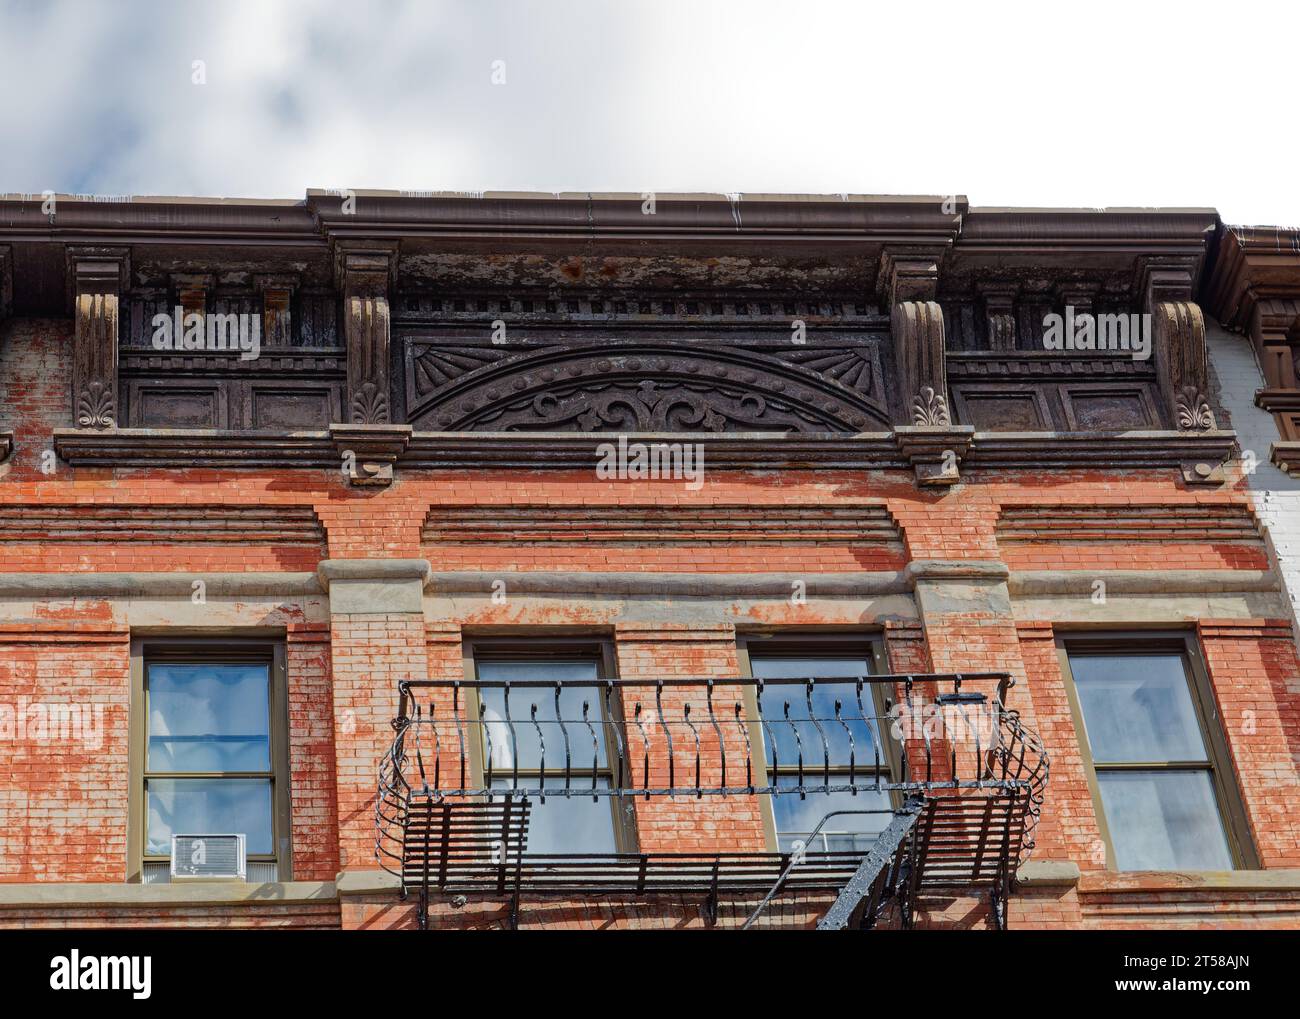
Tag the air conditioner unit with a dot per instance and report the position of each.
(208, 858)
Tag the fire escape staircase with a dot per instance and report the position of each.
(964, 779)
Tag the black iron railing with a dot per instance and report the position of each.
(907, 735)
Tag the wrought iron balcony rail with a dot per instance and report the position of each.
(696, 737)
(470, 759)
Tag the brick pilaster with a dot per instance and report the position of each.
(377, 640)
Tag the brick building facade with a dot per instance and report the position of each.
(213, 559)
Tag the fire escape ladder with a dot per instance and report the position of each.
(884, 873)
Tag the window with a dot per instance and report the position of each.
(793, 819)
(510, 743)
(209, 753)
(1159, 773)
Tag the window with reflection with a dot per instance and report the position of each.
(831, 724)
(1154, 757)
(209, 757)
(528, 732)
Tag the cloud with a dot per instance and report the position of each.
(1014, 105)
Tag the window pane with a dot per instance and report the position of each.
(796, 818)
(208, 806)
(1166, 820)
(572, 824)
(1137, 708)
(585, 743)
(209, 717)
(780, 735)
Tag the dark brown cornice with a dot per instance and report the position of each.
(145, 448)
(1164, 231)
(1254, 264)
(795, 238)
(1088, 251)
(582, 216)
(212, 221)
(216, 448)
(569, 216)
(1105, 451)
(560, 217)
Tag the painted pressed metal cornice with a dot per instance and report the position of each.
(920, 219)
(159, 221)
(1029, 230)
(392, 214)
(144, 447)
(1254, 264)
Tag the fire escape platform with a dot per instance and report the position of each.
(961, 820)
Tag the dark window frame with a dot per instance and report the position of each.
(1219, 760)
(209, 649)
(598, 648)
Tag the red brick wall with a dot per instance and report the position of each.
(63, 808)
(1156, 901)
(35, 393)
(1068, 830)
(343, 678)
(1052, 908)
(314, 803)
(141, 557)
(370, 655)
(1136, 556)
(686, 824)
(1256, 681)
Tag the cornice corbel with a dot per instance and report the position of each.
(366, 272)
(1000, 312)
(365, 264)
(1285, 456)
(96, 279)
(1076, 294)
(1182, 364)
(1160, 278)
(909, 273)
(368, 453)
(276, 291)
(95, 268)
(934, 451)
(918, 334)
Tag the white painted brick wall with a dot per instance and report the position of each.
(1235, 375)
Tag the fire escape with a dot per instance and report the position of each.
(953, 777)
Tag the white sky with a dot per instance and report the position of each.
(1179, 104)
